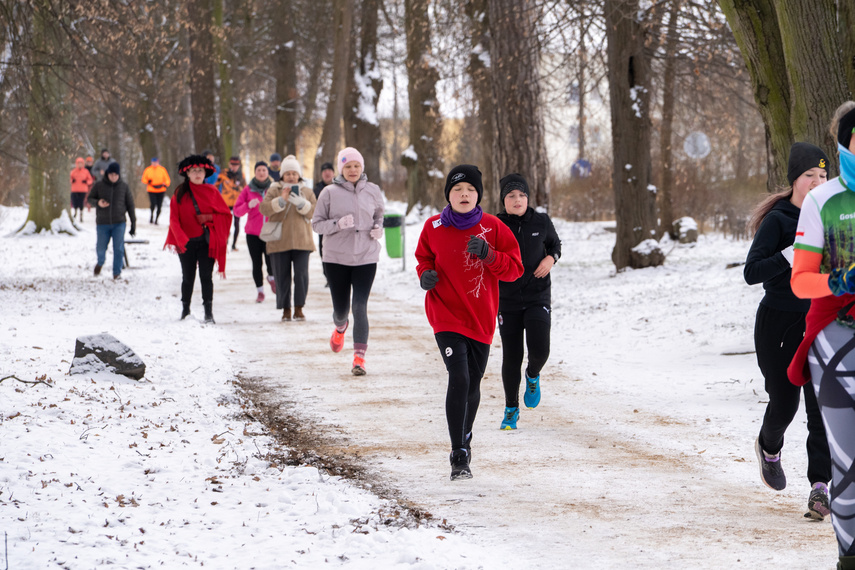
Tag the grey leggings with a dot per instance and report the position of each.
(832, 369)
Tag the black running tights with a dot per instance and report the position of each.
(465, 359)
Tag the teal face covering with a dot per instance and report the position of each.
(847, 166)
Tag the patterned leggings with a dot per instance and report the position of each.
(832, 368)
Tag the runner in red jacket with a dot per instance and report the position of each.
(463, 253)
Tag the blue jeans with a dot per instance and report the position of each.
(116, 232)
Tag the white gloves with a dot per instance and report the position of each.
(788, 254)
(281, 202)
(254, 202)
(376, 233)
(298, 201)
(345, 222)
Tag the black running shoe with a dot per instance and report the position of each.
(771, 471)
(818, 502)
(460, 465)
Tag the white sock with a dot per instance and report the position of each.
(260, 289)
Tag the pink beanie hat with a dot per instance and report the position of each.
(349, 154)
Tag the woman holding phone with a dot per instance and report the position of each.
(291, 204)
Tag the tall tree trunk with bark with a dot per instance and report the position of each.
(285, 72)
(48, 119)
(846, 37)
(666, 212)
(629, 84)
(228, 134)
(362, 124)
(480, 72)
(202, 84)
(796, 97)
(422, 158)
(518, 142)
(331, 136)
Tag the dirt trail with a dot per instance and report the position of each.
(582, 483)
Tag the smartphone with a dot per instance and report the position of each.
(295, 189)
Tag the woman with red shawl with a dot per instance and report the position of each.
(199, 223)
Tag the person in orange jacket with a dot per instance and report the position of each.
(230, 183)
(81, 182)
(156, 179)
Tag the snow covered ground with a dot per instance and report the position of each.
(639, 455)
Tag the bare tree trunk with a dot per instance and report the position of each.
(518, 142)
(285, 72)
(846, 36)
(331, 136)
(422, 157)
(202, 85)
(666, 213)
(629, 84)
(482, 85)
(48, 120)
(583, 67)
(228, 134)
(362, 130)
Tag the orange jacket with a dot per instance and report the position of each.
(81, 180)
(230, 188)
(156, 179)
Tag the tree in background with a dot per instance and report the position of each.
(795, 94)
(422, 158)
(361, 119)
(629, 92)
(332, 133)
(200, 20)
(518, 139)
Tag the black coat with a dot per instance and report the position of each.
(537, 238)
(121, 201)
(766, 264)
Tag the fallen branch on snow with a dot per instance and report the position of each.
(36, 381)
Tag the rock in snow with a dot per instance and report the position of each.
(105, 353)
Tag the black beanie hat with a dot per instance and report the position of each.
(803, 157)
(113, 167)
(261, 163)
(195, 161)
(327, 166)
(510, 183)
(845, 128)
(464, 173)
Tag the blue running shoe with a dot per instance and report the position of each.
(511, 417)
(532, 391)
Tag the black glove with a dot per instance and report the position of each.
(478, 247)
(133, 229)
(428, 279)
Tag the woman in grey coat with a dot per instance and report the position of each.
(349, 215)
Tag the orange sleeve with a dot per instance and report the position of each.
(806, 281)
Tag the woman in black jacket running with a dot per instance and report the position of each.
(780, 326)
(525, 304)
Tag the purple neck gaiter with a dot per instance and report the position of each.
(461, 221)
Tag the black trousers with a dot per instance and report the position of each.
(282, 262)
(356, 278)
(258, 251)
(197, 254)
(237, 227)
(533, 323)
(777, 335)
(155, 199)
(465, 360)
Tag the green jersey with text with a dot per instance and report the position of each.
(827, 225)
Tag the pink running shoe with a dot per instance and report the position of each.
(337, 338)
(260, 297)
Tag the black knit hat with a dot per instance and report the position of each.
(327, 166)
(196, 161)
(513, 182)
(803, 157)
(464, 173)
(113, 168)
(845, 128)
(261, 163)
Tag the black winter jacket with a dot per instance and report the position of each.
(121, 201)
(765, 263)
(537, 238)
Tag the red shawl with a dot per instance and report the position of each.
(183, 224)
(823, 311)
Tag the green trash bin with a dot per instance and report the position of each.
(392, 224)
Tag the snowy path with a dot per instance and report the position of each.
(634, 463)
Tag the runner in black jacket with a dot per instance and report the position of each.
(780, 327)
(525, 304)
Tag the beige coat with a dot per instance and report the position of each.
(296, 224)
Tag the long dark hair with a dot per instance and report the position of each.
(764, 207)
(182, 189)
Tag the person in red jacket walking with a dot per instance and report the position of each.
(462, 255)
